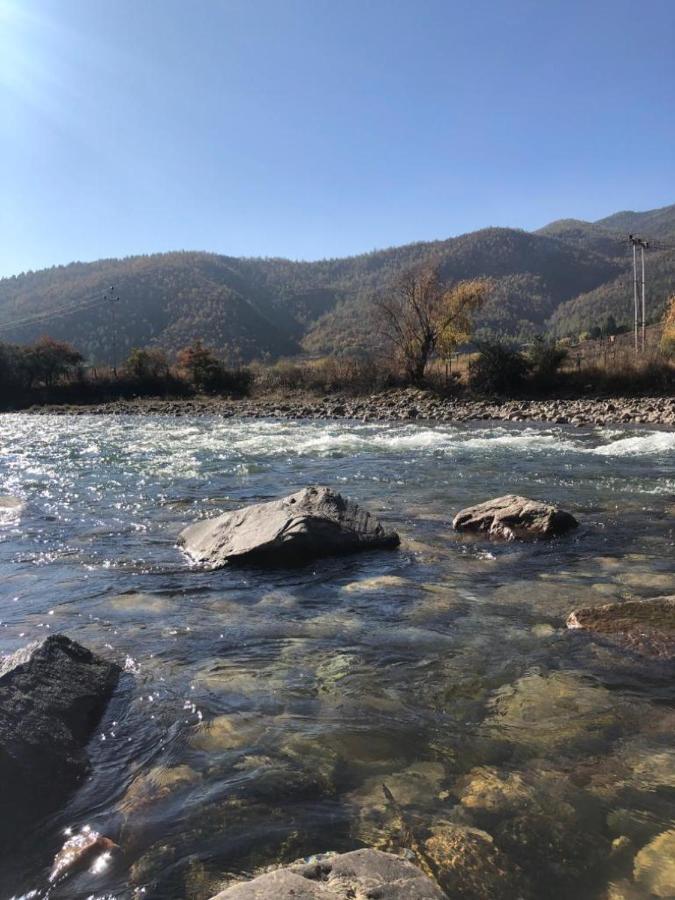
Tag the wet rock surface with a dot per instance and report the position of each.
(358, 875)
(471, 866)
(52, 695)
(515, 518)
(314, 522)
(405, 404)
(646, 627)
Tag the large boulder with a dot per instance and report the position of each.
(515, 518)
(314, 522)
(361, 873)
(644, 626)
(52, 695)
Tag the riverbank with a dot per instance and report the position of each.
(394, 405)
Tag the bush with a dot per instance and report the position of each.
(545, 358)
(147, 364)
(209, 374)
(498, 369)
(353, 375)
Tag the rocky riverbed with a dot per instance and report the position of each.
(397, 405)
(434, 702)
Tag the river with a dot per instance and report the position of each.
(261, 711)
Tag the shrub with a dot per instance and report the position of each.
(498, 369)
(545, 358)
(147, 364)
(209, 374)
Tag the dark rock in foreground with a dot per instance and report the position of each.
(52, 696)
(361, 873)
(644, 626)
(515, 518)
(314, 522)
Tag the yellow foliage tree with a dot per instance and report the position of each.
(668, 335)
(421, 316)
(460, 304)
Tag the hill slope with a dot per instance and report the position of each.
(566, 276)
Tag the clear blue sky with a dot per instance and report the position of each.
(311, 128)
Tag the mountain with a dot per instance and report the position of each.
(563, 278)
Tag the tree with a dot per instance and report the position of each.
(421, 311)
(667, 344)
(610, 326)
(202, 367)
(147, 364)
(48, 360)
(460, 303)
(545, 358)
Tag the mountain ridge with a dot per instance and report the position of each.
(565, 276)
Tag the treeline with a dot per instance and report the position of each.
(54, 372)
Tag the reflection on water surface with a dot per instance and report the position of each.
(261, 713)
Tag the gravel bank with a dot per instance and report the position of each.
(398, 405)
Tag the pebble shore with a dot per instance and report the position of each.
(396, 405)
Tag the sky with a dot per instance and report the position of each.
(323, 128)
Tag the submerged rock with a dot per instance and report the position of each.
(314, 522)
(515, 518)
(654, 866)
(545, 713)
(645, 626)
(468, 864)
(86, 849)
(361, 873)
(52, 695)
(10, 509)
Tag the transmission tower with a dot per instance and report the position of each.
(113, 300)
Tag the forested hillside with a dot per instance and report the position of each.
(563, 278)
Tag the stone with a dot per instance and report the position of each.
(360, 874)
(314, 522)
(468, 864)
(654, 866)
(52, 695)
(546, 713)
(10, 509)
(81, 851)
(515, 518)
(644, 626)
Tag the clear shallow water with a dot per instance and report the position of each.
(262, 712)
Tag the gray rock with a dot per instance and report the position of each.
(359, 874)
(515, 518)
(314, 522)
(646, 627)
(52, 695)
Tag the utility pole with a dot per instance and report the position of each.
(113, 300)
(643, 245)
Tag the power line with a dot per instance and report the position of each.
(36, 318)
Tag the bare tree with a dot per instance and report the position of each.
(421, 314)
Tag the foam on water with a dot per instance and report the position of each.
(647, 443)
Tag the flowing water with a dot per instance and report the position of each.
(261, 712)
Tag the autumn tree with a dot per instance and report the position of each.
(203, 368)
(460, 304)
(667, 344)
(421, 315)
(47, 360)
